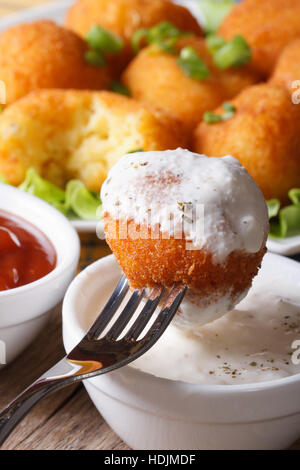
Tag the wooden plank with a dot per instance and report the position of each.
(66, 419)
(76, 426)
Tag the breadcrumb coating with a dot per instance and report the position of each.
(287, 70)
(154, 77)
(45, 55)
(124, 17)
(263, 135)
(149, 262)
(268, 26)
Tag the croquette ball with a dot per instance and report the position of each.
(268, 26)
(287, 70)
(66, 134)
(124, 17)
(160, 236)
(45, 55)
(263, 135)
(155, 77)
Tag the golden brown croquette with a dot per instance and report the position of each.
(155, 77)
(287, 70)
(66, 134)
(263, 134)
(160, 237)
(124, 17)
(45, 55)
(268, 26)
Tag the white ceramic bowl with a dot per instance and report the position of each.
(148, 412)
(25, 310)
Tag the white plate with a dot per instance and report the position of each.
(56, 11)
(286, 246)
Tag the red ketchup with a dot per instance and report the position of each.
(26, 254)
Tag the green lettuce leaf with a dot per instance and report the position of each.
(285, 222)
(3, 180)
(273, 207)
(76, 202)
(214, 12)
(294, 195)
(83, 203)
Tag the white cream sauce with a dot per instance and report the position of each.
(252, 343)
(213, 200)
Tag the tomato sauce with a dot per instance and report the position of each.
(26, 254)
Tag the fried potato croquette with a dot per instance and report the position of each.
(78, 134)
(45, 55)
(124, 17)
(287, 70)
(155, 77)
(263, 135)
(268, 26)
(154, 249)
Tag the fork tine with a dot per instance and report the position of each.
(165, 316)
(125, 316)
(144, 317)
(109, 310)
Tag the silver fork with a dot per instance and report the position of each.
(96, 355)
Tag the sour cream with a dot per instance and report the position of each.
(252, 343)
(214, 201)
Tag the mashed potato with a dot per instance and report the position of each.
(124, 17)
(157, 79)
(263, 135)
(45, 55)
(267, 25)
(155, 225)
(78, 134)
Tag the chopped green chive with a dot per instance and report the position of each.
(229, 107)
(192, 65)
(227, 115)
(140, 36)
(214, 43)
(136, 151)
(213, 12)
(118, 87)
(212, 118)
(164, 30)
(167, 45)
(164, 34)
(99, 39)
(95, 58)
(234, 53)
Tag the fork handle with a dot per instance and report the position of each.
(18, 409)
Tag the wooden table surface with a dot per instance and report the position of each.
(67, 420)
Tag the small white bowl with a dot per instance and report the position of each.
(149, 412)
(25, 310)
